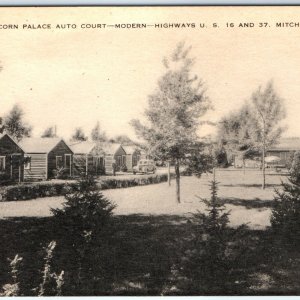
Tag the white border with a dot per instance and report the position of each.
(143, 2)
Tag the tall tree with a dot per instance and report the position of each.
(14, 124)
(49, 132)
(174, 110)
(235, 133)
(79, 135)
(97, 134)
(268, 111)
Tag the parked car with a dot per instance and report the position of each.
(144, 166)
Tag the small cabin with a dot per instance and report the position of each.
(46, 157)
(113, 153)
(88, 158)
(284, 150)
(11, 160)
(133, 155)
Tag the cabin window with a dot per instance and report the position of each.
(123, 160)
(2, 163)
(59, 162)
(27, 164)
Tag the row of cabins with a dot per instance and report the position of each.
(42, 158)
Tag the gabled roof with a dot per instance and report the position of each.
(110, 148)
(2, 135)
(84, 147)
(287, 144)
(129, 149)
(39, 145)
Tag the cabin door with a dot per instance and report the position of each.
(98, 165)
(68, 164)
(16, 167)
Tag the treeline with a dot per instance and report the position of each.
(14, 124)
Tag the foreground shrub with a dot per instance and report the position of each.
(13, 288)
(295, 168)
(85, 224)
(210, 263)
(285, 218)
(5, 179)
(51, 283)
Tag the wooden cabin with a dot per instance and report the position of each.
(11, 160)
(113, 153)
(133, 155)
(88, 158)
(45, 157)
(284, 150)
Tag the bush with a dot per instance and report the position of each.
(295, 168)
(50, 188)
(86, 226)
(199, 163)
(5, 179)
(51, 282)
(61, 173)
(13, 288)
(35, 190)
(285, 218)
(123, 168)
(209, 264)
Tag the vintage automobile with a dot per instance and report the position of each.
(144, 166)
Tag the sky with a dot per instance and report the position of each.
(76, 77)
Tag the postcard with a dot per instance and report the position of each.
(150, 151)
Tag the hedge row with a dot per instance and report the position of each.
(112, 183)
(34, 190)
(50, 189)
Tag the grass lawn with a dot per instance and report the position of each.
(151, 237)
(241, 192)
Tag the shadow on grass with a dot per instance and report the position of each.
(142, 252)
(254, 185)
(249, 204)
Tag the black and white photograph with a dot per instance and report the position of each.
(150, 151)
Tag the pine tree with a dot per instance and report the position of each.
(208, 265)
(285, 218)
(86, 224)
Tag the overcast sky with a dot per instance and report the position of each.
(73, 78)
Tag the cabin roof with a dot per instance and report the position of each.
(39, 145)
(129, 149)
(287, 144)
(84, 147)
(110, 148)
(2, 135)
